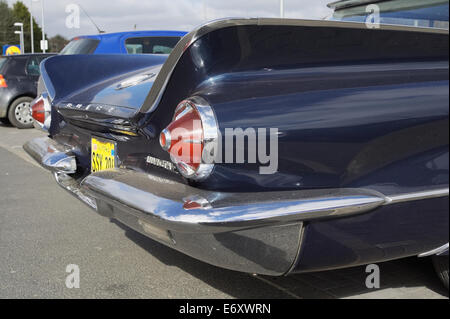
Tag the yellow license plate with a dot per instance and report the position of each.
(103, 155)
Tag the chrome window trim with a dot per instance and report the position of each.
(163, 77)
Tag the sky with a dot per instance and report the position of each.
(184, 15)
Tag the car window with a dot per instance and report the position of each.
(151, 45)
(16, 66)
(418, 13)
(33, 65)
(2, 61)
(80, 46)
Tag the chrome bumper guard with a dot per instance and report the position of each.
(51, 155)
(250, 232)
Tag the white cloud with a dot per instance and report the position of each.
(122, 15)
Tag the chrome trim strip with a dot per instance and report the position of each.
(163, 77)
(438, 251)
(401, 198)
(162, 201)
(135, 80)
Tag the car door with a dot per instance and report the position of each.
(33, 72)
(15, 75)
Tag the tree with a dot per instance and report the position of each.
(20, 13)
(57, 43)
(7, 35)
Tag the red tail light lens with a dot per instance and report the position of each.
(41, 112)
(38, 111)
(3, 82)
(193, 127)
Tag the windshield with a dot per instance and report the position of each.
(80, 46)
(419, 13)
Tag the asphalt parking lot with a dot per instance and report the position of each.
(43, 229)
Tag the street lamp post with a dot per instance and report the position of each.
(43, 45)
(22, 47)
(43, 42)
(282, 9)
(31, 26)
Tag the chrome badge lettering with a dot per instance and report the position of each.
(161, 163)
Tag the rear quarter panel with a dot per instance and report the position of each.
(349, 103)
(354, 108)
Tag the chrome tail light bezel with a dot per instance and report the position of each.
(210, 135)
(47, 112)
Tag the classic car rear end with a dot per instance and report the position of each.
(265, 146)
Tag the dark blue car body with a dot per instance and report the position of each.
(363, 156)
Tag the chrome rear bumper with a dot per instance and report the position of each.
(51, 155)
(250, 232)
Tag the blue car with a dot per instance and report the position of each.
(135, 42)
(268, 146)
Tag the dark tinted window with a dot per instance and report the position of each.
(80, 46)
(151, 45)
(2, 61)
(33, 65)
(16, 66)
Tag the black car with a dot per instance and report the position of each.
(18, 84)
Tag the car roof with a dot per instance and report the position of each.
(156, 33)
